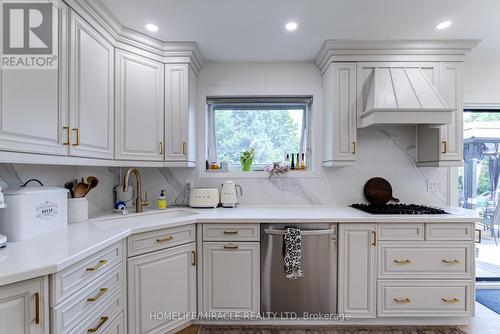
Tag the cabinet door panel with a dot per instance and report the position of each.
(91, 97)
(231, 280)
(18, 307)
(163, 281)
(180, 97)
(451, 91)
(357, 273)
(33, 103)
(139, 108)
(340, 114)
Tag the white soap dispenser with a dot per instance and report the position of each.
(3, 238)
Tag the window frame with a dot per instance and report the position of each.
(235, 170)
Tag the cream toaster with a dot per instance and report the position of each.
(204, 198)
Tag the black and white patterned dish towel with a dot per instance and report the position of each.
(292, 253)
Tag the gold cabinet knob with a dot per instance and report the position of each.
(165, 239)
(455, 261)
(402, 301)
(405, 261)
(98, 265)
(450, 301)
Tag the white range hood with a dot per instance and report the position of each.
(403, 95)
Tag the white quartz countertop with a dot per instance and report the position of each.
(52, 252)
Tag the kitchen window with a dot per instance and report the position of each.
(273, 127)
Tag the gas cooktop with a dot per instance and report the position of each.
(399, 209)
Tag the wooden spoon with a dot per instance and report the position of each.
(92, 182)
(81, 189)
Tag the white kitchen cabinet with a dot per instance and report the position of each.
(339, 105)
(231, 277)
(24, 307)
(33, 103)
(180, 113)
(91, 118)
(443, 146)
(161, 282)
(357, 270)
(139, 90)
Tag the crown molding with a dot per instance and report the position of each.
(393, 50)
(124, 38)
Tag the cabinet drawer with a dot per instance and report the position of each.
(449, 231)
(69, 313)
(161, 239)
(400, 231)
(425, 260)
(99, 321)
(231, 232)
(75, 277)
(424, 298)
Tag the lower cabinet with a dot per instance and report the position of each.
(231, 277)
(161, 289)
(357, 270)
(24, 307)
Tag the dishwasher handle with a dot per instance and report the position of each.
(305, 232)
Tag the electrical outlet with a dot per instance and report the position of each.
(434, 186)
(189, 185)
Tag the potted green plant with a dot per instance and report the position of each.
(246, 159)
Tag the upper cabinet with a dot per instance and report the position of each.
(443, 146)
(100, 97)
(33, 109)
(139, 87)
(339, 114)
(91, 117)
(180, 113)
(413, 82)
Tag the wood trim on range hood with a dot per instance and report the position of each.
(403, 95)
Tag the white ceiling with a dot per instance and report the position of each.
(253, 30)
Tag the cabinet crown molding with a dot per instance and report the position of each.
(393, 50)
(122, 37)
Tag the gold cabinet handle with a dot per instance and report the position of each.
(405, 261)
(99, 265)
(99, 325)
(162, 240)
(230, 246)
(353, 147)
(402, 301)
(101, 292)
(161, 147)
(230, 231)
(449, 301)
(374, 238)
(480, 236)
(455, 261)
(193, 258)
(445, 146)
(37, 308)
(77, 135)
(67, 142)
(184, 148)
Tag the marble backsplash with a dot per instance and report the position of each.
(388, 152)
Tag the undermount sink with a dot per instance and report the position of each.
(103, 219)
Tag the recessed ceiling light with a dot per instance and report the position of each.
(152, 27)
(443, 25)
(291, 26)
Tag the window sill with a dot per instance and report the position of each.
(239, 174)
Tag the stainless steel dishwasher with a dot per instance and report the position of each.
(316, 291)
